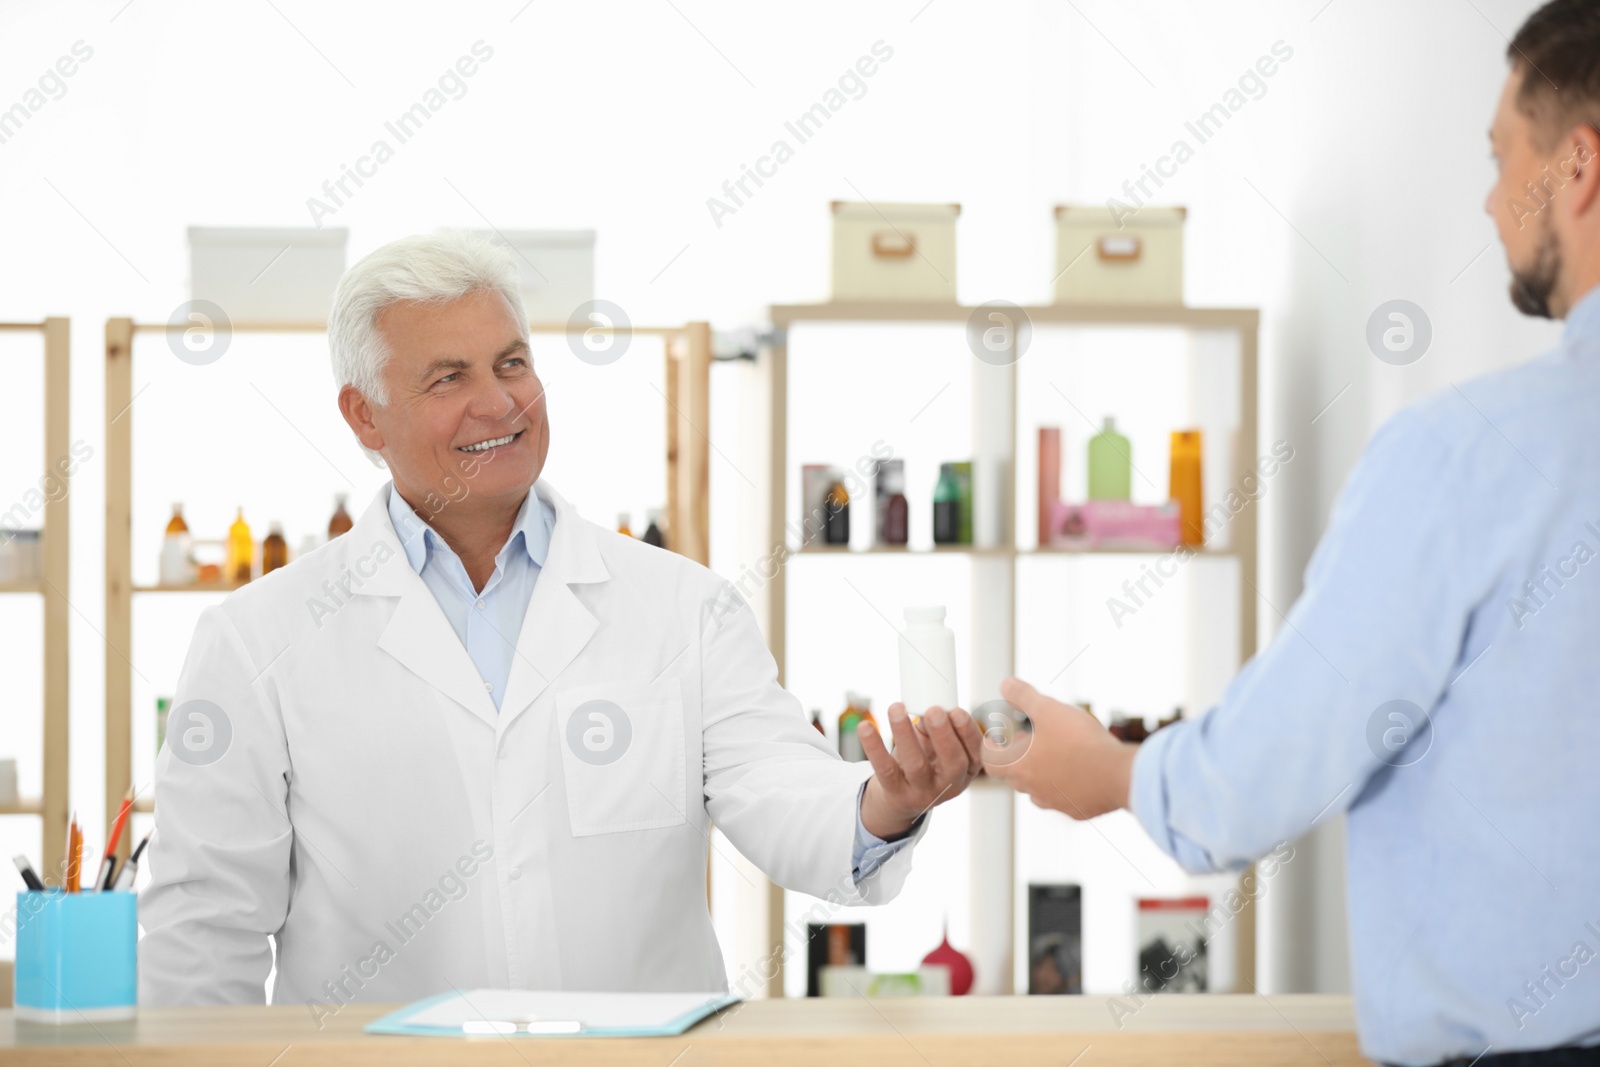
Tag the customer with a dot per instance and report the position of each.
(1438, 678)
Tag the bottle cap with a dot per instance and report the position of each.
(622, 518)
(1110, 425)
(925, 616)
(276, 528)
(857, 700)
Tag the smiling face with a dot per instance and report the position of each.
(465, 422)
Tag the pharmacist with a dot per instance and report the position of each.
(1438, 678)
(479, 741)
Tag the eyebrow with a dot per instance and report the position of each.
(457, 363)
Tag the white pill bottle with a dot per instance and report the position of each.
(927, 662)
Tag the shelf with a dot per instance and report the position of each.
(899, 550)
(1038, 315)
(997, 442)
(52, 805)
(1003, 552)
(24, 806)
(181, 587)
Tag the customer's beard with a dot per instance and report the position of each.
(1531, 287)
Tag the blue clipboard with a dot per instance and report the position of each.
(537, 1013)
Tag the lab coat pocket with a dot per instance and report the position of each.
(622, 751)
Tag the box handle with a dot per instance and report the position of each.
(1120, 247)
(886, 245)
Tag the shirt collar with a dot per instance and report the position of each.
(1584, 318)
(531, 530)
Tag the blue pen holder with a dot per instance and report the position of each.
(77, 956)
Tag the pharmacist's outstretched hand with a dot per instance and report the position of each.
(1069, 762)
(932, 762)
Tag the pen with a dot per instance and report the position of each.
(548, 1027)
(74, 854)
(26, 870)
(130, 870)
(108, 862)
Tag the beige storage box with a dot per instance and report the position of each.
(894, 251)
(1101, 262)
(267, 274)
(557, 269)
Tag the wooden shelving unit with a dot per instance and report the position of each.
(994, 564)
(52, 806)
(687, 450)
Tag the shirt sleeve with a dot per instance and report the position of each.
(1387, 601)
(772, 785)
(872, 850)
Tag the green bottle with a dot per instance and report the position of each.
(1110, 464)
(947, 507)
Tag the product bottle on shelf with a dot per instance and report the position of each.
(1184, 485)
(1049, 482)
(837, 532)
(927, 662)
(947, 507)
(894, 515)
(962, 472)
(622, 524)
(652, 533)
(858, 708)
(274, 549)
(816, 721)
(1110, 464)
(241, 550)
(177, 551)
(163, 709)
(897, 521)
(341, 521)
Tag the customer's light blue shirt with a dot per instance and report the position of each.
(1460, 573)
(488, 621)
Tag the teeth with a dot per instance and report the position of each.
(483, 445)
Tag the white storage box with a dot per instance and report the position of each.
(1099, 261)
(894, 251)
(557, 269)
(273, 274)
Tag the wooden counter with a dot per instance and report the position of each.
(1317, 1031)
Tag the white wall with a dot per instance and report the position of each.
(1357, 177)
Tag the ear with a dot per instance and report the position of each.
(357, 412)
(1579, 167)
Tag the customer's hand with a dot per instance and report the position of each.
(933, 760)
(1069, 762)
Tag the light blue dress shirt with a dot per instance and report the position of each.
(489, 621)
(1459, 577)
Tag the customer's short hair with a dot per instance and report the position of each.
(432, 268)
(1558, 52)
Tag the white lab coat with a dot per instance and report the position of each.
(396, 835)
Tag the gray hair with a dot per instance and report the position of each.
(434, 268)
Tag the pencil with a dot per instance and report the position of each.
(74, 854)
